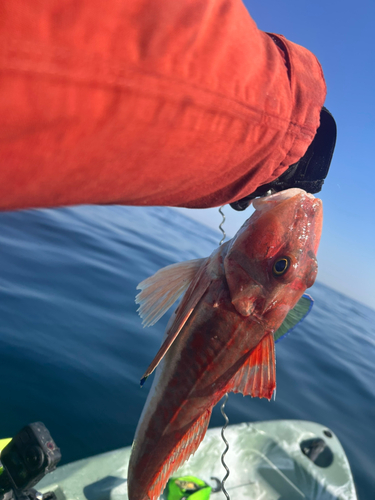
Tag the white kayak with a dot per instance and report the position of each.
(273, 460)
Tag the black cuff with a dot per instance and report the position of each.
(310, 171)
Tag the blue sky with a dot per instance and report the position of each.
(340, 34)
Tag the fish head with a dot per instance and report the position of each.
(272, 259)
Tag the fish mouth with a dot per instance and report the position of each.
(311, 205)
(266, 203)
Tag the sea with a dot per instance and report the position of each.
(72, 348)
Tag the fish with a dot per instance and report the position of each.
(221, 337)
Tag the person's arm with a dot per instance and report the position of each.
(147, 102)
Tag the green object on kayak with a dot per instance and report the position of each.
(187, 487)
(4, 442)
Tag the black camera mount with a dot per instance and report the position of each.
(29, 456)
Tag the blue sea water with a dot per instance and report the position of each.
(72, 349)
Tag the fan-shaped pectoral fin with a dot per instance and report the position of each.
(257, 376)
(161, 290)
(191, 298)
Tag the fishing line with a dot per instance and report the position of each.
(221, 225)
(222, 408)
(226, 446)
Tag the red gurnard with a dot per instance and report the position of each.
(221, 337)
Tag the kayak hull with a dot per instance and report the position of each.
(266, 460)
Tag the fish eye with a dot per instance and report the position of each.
(280, 266)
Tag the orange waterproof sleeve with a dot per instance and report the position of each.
(147, 102)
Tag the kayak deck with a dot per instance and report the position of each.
(265, 459)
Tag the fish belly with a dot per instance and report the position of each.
(192, 378)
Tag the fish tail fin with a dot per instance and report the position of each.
(180, 453)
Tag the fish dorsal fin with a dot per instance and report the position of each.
(160, 291)
(257, 376)
(294, 317)
(197, 288)
(181, 452)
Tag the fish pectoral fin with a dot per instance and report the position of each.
(191, 298)
(257, 376)
(185, 447)
(160, 291)
(294, 317)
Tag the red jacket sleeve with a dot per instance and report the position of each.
(147, 102)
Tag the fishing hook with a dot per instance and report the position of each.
(225, 396)
(217, 488)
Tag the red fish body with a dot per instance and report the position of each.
(221, 336)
